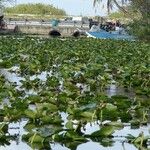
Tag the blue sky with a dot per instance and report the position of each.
(72, 7)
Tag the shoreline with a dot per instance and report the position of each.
(42, 29)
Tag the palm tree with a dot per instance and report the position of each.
(142, 6)
(110, 4)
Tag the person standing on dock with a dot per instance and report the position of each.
(55, 23)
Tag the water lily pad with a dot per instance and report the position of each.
(105, 131)
(35, 138)
(69, 125)
(3, 127)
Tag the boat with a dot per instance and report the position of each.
(102, 34)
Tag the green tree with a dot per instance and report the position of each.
(39, 9)
(142, 6)
(111, 3)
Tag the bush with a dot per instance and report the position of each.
(39, 9)
(140, 29)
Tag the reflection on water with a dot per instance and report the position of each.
(96, 146)
(17, 129)
(117, 144)
(114, 90)
(119, 136)
(14, 78)
(57, 146)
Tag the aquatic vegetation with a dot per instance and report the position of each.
(73, 76)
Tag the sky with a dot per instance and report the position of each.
(72, 7)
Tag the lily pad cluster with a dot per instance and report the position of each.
(77, 74)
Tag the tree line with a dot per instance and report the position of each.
(39, 9)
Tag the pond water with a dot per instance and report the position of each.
(118, 141)
(119, 137)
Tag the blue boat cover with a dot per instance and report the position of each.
(110, 35)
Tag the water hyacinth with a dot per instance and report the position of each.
(66, 90)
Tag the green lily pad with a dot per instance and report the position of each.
(69, 125)
(3, 127)
(35, 138)
(105, 131)
(30, 114)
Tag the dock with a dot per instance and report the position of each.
(38, 28)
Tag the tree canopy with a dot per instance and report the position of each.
(141, 6)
